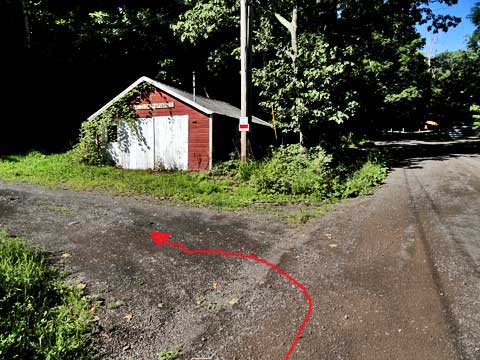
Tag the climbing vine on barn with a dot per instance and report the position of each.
(92, 148)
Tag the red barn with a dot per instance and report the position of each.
(177, 132)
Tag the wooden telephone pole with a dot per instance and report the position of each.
(245, 47)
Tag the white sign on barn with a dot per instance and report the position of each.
(166, 105)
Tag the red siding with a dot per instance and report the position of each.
(198, 128)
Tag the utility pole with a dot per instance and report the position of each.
(431, 49)
(245, 46)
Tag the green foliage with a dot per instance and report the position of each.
(41, 317)
(393, 80)
(93, 143)
(226, 168)
(474, 16)
(169, 354)
(358, 63)
(63, 170)
(207, 18)
(304, 214)
(362, 181)
(290, 171)
(289, 176)
(314, 92)
(475, 110)
(456, 86)
(246, 170)
(235, 169)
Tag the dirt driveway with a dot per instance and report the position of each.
(393, 276)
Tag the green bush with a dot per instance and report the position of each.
(235, 169)
(246, 171)
(475, 111)
(290, 171)
(40, 316)
(225, 168)
(361, 182)
(287, 176)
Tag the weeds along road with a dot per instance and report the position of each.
(394, 275)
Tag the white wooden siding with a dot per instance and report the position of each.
(171, 142)
(161, 142)
(134, 150)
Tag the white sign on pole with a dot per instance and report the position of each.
(244, 124)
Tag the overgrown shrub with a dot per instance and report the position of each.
(91, 148)
(40, 316)
(235, 169)
(475, 111)
(290, 171)
(361, 182)
(226, 168)
(288, 176)
(247, 170)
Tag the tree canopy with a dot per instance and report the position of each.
(474, 16)
(348, 66)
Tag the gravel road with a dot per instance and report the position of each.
(394, 275)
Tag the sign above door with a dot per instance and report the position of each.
(153, 106)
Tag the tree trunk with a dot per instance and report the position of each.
(293, 29)
(293, 32)
(27, 35)
(294, 37)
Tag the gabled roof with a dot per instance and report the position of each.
(202, 104)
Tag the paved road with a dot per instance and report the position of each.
(395, 275)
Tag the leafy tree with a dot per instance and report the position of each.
(340, 61)
(474, 16)
(314, 91)
(475, 110)
(349, 62)
(456, 86)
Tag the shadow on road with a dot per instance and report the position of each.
(409, 153)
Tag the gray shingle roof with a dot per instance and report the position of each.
(208, 106)
(216, 106)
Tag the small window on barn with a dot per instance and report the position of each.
(112, 133)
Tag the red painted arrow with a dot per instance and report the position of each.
(161, 239)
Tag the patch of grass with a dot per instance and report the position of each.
(41, 317)
(62, 171)
(114, 305)
(303, 215)
(169, 354)
(211, 307)
(288, 177)
(59, 209)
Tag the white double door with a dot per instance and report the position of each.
(157, 143)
